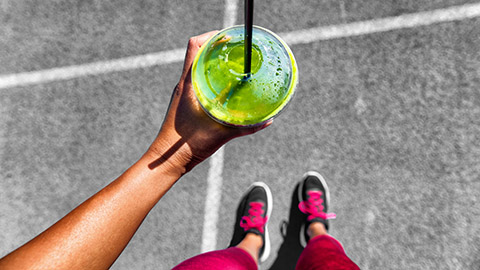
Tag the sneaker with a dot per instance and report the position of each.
(314, 199)
(252, 216)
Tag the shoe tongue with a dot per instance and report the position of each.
(317, 219)
(254, 230)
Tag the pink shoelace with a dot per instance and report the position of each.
(313, 206)
(254, 220)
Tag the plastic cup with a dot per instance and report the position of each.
(233, 98)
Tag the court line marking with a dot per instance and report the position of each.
(230, 15)
(212, 201)
(214, 178)
(453, 13)
(94, 68)
(410, 20)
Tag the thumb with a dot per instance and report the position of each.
(194, 44)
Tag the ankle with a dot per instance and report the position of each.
(316, 229)
(252, 243)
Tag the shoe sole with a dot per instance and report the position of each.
(267, 249)
(303, 241)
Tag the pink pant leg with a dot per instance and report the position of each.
(324, 252)
(226, 259)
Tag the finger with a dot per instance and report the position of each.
(266, 124)
(194, 44)
(205, 36)
(252, 130)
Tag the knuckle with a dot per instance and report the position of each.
(192, 41)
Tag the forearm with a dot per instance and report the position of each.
(94, 234)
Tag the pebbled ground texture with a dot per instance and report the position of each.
(390, 119)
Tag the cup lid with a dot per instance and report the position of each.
(237, 99)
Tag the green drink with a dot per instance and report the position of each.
(236, 99)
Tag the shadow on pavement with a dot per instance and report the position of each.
(290, 249)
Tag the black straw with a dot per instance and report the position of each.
(248, 36)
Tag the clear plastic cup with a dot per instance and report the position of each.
(243, 100)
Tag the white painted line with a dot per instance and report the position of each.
(96, 68)
(230, 15)
(454, 13)
(450, 14)
(214, 180)
(212, 201)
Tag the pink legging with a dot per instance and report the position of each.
(322, 252)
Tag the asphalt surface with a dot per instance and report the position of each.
(390, 119)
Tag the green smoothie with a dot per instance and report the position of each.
(237, 99)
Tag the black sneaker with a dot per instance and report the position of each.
(314, 198)
(252, 216)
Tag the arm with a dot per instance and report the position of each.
(94, 234)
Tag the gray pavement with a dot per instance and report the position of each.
(390, 119)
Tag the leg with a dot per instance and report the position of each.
(233, 258)
(322, 251)
(250, 243)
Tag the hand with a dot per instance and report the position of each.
(189, 133)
